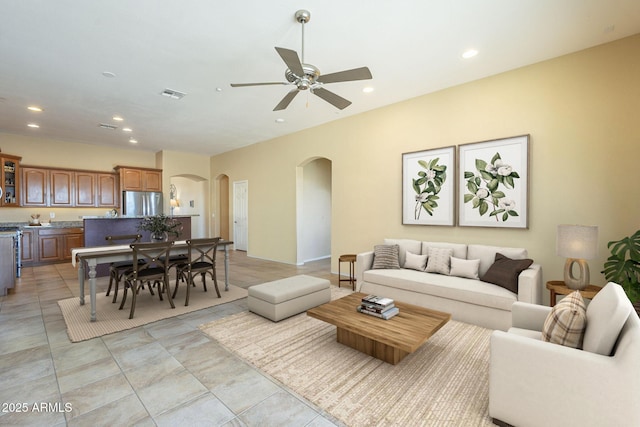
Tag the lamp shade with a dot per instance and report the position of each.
(577, 241)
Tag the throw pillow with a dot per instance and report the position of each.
(438, 260)
(565, 324)
(385, 256)
(505, 271)
(465, 267)
(415, 262)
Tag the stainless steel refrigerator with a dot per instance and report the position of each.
(141, 203)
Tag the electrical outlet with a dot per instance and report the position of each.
(52, 215)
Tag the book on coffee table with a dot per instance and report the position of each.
(386, 315)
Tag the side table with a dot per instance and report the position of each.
(557, 287)
(351, 259)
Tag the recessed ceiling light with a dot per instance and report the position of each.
(108, 74)
(133, 141)
(34, 108)
(469, 53)
(127, 130)
(118, 118)
(368, 89)
(218, 89)
(279, 120)
(33, 125)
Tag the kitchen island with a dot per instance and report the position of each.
(96, 229)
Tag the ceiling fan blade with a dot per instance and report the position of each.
(286, 100)
(290, 57)
(258, 84)
(362, 73)
(333, 99)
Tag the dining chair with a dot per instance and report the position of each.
(117, 269)
(201, 259)
(154, 269)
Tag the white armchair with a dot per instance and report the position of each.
(537, 383)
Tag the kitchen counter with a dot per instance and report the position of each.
(54, 224)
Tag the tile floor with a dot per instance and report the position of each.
(167, 373)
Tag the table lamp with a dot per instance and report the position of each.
(577, 243)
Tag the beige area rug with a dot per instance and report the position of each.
(444, 383)
(148, 309)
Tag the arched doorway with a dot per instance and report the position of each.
(191, 198)
(313, 204)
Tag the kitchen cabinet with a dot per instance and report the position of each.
(55, 244)
(68, 188)
(139, 179)
(34, 186)
(108, 193)
(28, 248)
(85, 189)
(61, 185)
(9, 180)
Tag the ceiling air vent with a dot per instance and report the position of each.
(173, 94)
(107, 126)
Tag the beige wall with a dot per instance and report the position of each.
(581, 111)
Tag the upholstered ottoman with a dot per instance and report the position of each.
(283, 298)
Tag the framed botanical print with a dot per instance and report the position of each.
(428, 187)
(493, 179)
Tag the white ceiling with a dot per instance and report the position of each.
(53, 54)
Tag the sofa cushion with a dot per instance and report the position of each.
(504, 272)
(385, 256)
(459, 249)
(566, 322)
(487, 255)
(606, 315)
(465, 268)
(456, 288)
(405, 245)
(415, 262)
(439, 260)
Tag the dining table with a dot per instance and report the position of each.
(90, 257)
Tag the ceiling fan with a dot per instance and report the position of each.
(306, 76)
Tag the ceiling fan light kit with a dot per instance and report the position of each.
(308, 77)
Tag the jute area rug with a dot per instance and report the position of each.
(148, 309)
(444, 383)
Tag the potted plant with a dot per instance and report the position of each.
(623, 266)
(160, 227)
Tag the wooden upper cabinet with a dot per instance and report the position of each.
(136, 179)
(62, 188)
(34, 186)
(152, 180)
(69, 188)
(85, 189)
(10, 180)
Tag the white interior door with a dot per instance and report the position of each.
(240, 215)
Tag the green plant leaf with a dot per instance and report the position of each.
(494, 158)
(484, 207)
(468, 197)
(468, 175)
(481, 164)
(513, 213)
(423, 164)
(492, 185)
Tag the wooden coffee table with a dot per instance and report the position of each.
(388, 340)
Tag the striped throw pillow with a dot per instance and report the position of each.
(566, 323)
(386, 256)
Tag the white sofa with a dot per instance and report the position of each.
(468, 300)
(537, 383)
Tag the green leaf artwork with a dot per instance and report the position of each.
(427, 186)
(484, 185)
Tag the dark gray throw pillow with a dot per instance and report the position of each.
(386, 256)
(504, 272)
